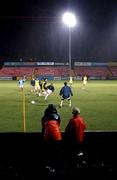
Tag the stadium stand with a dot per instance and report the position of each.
(113, 71)
(91, 71)
(28, 71)
(98, 72)
(97, 68)
(55, 71)
(16, 71)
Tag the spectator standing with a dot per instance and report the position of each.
(52, 136)
(76, 126)
(74, 134)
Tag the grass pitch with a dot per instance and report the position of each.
(97, 102)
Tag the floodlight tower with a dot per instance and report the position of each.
(69, 20)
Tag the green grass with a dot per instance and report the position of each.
(98, 105)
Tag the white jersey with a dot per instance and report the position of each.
(21, 83)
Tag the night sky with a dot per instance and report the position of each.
(33, 28)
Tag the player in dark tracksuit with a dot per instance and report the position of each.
(50, 90)
(66, 93)
(51, 87)
(32, 82)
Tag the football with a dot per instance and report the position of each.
(33, 102)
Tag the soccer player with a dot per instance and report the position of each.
(84, 81)
(32, 82)
(44, 85)
(50, 90)
(70, 81)
(37, 87)
(21, 83)
(66, 94)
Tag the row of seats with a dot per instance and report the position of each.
(28, 71)
(58, 71)
(54, 71)
(16, 71)
(92, 71)
(113, 71)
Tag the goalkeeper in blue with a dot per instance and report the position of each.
(65, 94)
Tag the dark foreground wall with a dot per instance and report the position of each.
(22, 156)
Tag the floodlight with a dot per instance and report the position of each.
(69, 19)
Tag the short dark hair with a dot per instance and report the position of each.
(65, 83)
(52, 108)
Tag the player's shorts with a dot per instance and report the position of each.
(21, 86)
(49, 91)
(69, 98)
(84, 82)
(37, 87)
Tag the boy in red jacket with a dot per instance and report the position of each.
(76, 126)
(74, 134)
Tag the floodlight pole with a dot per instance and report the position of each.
(69, 51)
(70, 20)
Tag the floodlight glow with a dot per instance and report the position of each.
(69, 19)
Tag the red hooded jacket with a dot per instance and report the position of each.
(75, 128)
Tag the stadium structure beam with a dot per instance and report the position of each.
(69, 20)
